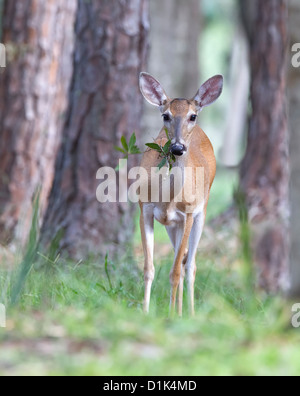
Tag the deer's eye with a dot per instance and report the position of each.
(166, 118)
(193, 118)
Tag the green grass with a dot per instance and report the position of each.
(68, 318)
(87, 319)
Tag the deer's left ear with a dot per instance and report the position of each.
(209, 92)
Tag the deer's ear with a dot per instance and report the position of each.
(152, 90)
(209, 92)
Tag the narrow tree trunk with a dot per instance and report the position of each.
(235, 127)
(38, 36)
(175, 34)
(294, 117)
(174, 53)
(265, 169)
(105, 103)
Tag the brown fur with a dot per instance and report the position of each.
(200, 154)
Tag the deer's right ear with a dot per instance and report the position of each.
(152, 90)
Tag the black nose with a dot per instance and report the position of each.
(178, 149)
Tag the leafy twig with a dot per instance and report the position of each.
(131, 148)
(128, 148)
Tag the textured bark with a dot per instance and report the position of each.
(294, 117)
(33, 97)
(105, 103)
(265, 169)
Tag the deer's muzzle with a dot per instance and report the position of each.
(178, 149)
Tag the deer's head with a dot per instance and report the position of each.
(180, 115)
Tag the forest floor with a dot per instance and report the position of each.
(86, 318)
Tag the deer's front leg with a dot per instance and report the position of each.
(147, 231)
(175, 235)
(176, 273)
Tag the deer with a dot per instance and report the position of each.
(184, 221)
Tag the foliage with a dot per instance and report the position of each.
(128, 148)
(168, 159)
(30, 255)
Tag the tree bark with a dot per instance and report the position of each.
(38, 36)
(174, 53)
(265, 168)
(235, 127)
(294, 117)
(105, 103)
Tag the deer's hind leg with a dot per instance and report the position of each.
(191, 268)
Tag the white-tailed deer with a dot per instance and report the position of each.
(184, 220)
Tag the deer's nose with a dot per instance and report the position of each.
(178, 149)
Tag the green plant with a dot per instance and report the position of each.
(30, 254)
(131, 148)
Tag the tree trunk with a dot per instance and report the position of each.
(38, 36)
(105, 103)
(265, 169)
(235, 127)
(174, 53)
(294, 117)
(175, 45)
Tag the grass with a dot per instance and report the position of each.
(67, 318)
(77, 320)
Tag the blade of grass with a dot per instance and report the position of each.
(107, 272)
(30, 255)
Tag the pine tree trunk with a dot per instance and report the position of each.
(39, 37)
(105, 103)
(265, 169)
(294, 117)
